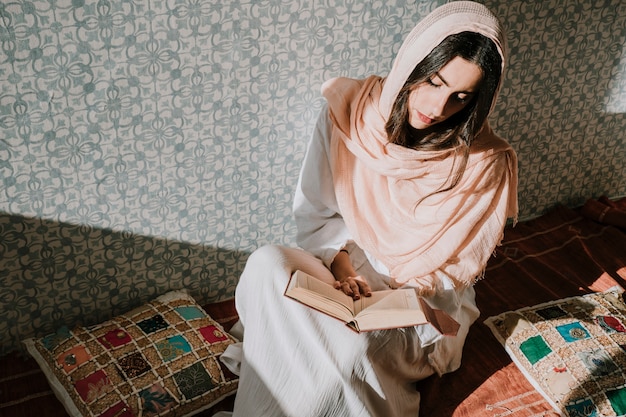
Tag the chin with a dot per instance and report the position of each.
(421, 125)
(417, 124)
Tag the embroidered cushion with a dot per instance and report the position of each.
(572, 350)
(160, 359)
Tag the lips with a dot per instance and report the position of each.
(425, 119)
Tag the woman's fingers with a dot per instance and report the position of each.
(354, 287)
(364, 288)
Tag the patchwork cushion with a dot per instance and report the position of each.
(572, 350)
(160, 359)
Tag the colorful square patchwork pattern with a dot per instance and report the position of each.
(572, 351)
(161, 359)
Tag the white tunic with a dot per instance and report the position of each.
(299, 362)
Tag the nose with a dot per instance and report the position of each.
(439, 106)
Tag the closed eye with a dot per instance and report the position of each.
(434, 83)
(463, 98)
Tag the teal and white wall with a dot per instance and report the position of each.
(153, 144)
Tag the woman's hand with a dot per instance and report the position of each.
(346, 279)
(354, 287)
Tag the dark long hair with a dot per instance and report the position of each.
(458, 131)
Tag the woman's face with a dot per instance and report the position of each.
(444, 94)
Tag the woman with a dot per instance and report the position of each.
(404, 185)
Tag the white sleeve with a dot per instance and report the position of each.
(320, 227)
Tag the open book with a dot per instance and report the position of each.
(387, 309)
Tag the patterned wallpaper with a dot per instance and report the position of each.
(153, 144)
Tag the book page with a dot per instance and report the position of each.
(365, 302)
(400, 299)
(320, 295)
(396, 308)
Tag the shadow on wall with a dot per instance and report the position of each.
(54, 274)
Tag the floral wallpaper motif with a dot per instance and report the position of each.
(153, 144)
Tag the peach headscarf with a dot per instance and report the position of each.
(380, 186)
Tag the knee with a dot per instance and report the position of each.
(264, 270)
(263, 262)
(265, 256)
